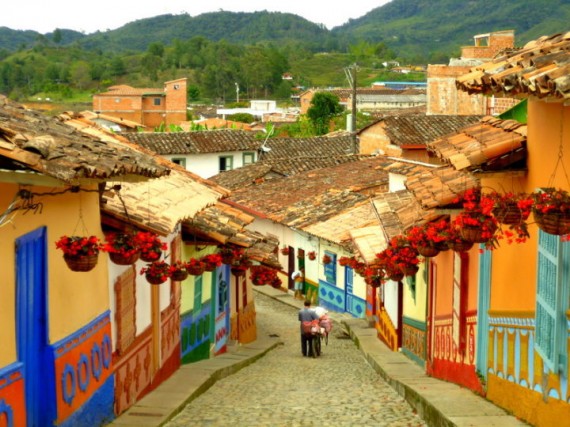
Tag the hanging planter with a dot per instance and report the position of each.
(285, 250)
(261, 275)
(238, 271)
(551, 211)
(157, 272)
(211, 261)
(427, 251)
(195, 267)
(326, 259)
(80, 253)
(460, 245)
(178, 271)
(312, 255)
(229, 255)
(509, 208)
(123, 248)
(476, 227)
(151, 247)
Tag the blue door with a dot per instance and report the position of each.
(32, 327)
(221, 307)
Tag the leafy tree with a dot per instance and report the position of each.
(241, 117)
(57, 37)
(324, 106)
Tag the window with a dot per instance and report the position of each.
(156, 101)
(117, 100)
(197, 294)
(248, 158)
(179, 161)
(226, 163)
(176, 86)
(330, 268)
(552, 301)
(125, 302)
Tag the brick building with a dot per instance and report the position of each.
(442, 95)
(149, 106)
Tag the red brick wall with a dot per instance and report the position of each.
(176, 101)
(121, 106)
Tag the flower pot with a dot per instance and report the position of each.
(156, 280)
(195, 270)
(396, 276)
(427, 250)
(410, 270)
(510, 214)
(476, 234)
(237, 271)
(375, 282)
(441, 246)
(122, 259)
(150, 256)
(179, 275)
(209, 267)
(81, 262)
(553, 222)
(228, 259)
(461, 246)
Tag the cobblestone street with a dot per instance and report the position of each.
(283, 388)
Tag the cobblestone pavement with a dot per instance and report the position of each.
(283, 388)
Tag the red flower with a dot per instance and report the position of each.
(214, 260)
(262, 275)
(157, 269)
(122, 243)
(79, 246)
(150, 245)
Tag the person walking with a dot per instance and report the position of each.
(297, 277)
(307, 315)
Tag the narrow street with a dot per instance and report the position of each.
(284, 388)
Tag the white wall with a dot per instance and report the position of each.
(207, 165)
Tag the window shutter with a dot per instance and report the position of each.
(330, 269)
(547, 329)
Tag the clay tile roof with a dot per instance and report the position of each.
(125, 90)
(162, 203)
(287, 199)
(210, 141)
(32, 141)
(264, 170)
(438, 187)
(489, 144)
(337, 229)
(368, 241)
(420, 130)
(319, 146)
(541, 68)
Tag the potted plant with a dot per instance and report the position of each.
(150, 245)
(178, 271)
(285, 250)
(195, 267)
(399, 259)
(374, 276)
(312, 255)
(476, 223)
(326, 259)
(510, 208)
(261, 275)
(157, 272)
(123, 248)
(422, 241)
(551, 210)
(211, 261)
(80, 253)
(229, 254)
(240, 265)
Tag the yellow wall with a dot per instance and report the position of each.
(74, 298)
(187, 286)
(415, 308)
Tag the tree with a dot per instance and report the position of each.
(57, 36)
(324, 106)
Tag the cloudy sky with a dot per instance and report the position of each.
(46, 15)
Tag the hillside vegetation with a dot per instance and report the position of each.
(217, 50)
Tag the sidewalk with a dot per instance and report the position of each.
(439, 403)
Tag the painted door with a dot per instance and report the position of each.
(222, 307)
(32, 327)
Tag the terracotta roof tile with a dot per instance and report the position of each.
(30, 140)
(369, 241)
(476, 146)
(125, 90)
(541, 68)
(210, 141)
(422, 129)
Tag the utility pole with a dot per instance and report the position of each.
(237, 93)
(351, 77)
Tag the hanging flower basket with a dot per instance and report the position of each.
(551, 211)
(262, 275)
(509, 208)
(157, 272)
(427, 251)
(326, 259)
(410, 270)
(476, 227)
(238, 271)
(81, 263)
(552, 222)
(80, 253)
(285, 251)
(122, 247)
(124, 259)
(151, 247)
(229, 255)
(195, 267)
(178, 271)
(211, 261)
(312, 255)
(460, 245)
(396, 276)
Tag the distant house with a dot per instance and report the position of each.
(443, 96)
(151, 107)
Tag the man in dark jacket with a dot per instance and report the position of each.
(307, 315)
